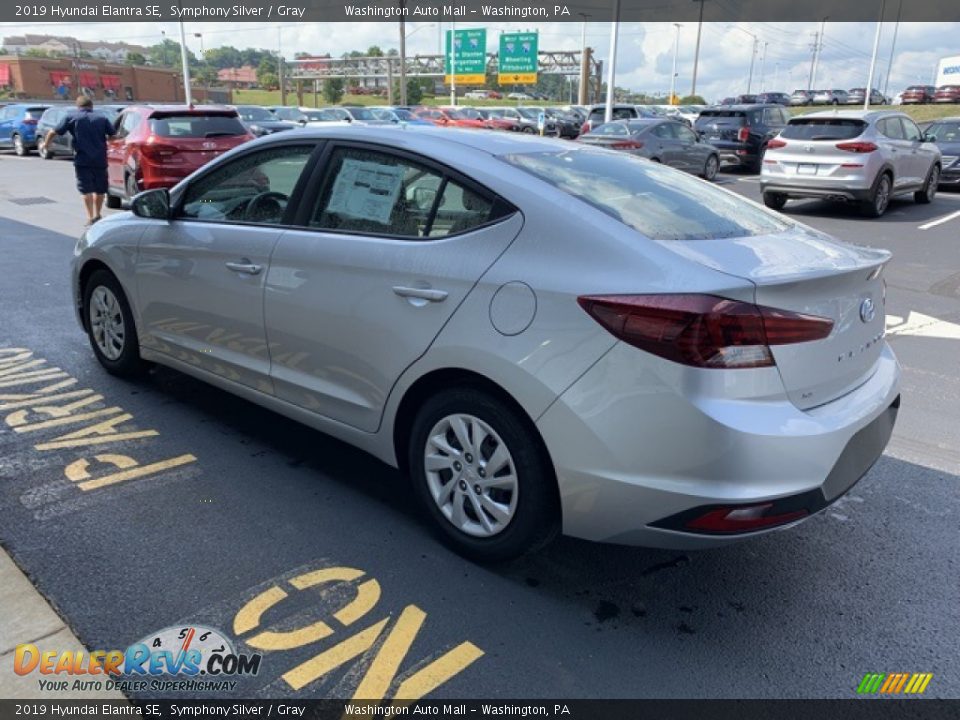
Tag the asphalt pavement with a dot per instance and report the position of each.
(200, 509)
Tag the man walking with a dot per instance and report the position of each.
(90, 131)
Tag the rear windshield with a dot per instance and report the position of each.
(618, 113)
(196, 126)
(657, 201)
(723, 114)
(255, 113)
(610, 128)
(362, 114)
(823, 129)
(35, 113)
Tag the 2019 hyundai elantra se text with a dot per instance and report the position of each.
(543, 337)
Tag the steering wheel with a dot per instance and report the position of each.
(264, 205)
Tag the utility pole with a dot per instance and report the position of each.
(612, 67)
(893, 46)
(403, 57)
(696, 53)
(817, 49)
(763, 63)
(673, 74)
(753, 57)
(873, 57)
(584, 62)
(186, 67)
(283, 89)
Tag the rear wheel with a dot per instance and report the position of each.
(19, 147)
(44, 152)
(479, 470)
(110, 326)
(130, 186)
(929, 190)
(529, 130)
(774, 200)
(711, 168)
(879, 198)
(114, 202)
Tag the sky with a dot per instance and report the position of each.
(645, 51)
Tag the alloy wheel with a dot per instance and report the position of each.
(711, 168)
(106, 322)
(471, 475)
(932, 182)
(882, 198)
(18, 147)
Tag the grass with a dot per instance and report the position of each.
(272, 97)
(920, 113)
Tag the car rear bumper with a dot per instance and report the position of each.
(832, 192)
(639, 447)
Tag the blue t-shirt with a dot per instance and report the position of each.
(90, 131)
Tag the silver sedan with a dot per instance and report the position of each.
(545, 337)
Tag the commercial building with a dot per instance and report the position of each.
(54, 45)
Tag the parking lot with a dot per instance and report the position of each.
(212, 511)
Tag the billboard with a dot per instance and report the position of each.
(948, 71)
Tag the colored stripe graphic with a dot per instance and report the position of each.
(894, 683)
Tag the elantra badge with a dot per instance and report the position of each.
(867, 311)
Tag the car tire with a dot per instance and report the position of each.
(529, 130)
(114, 202)
(110, 326)
(774, 200)
(44, 152)
(929, 191)
(525, 508)
(130, 186)
(18, 145)
(879, 198)
(710, 168)
(757, 165)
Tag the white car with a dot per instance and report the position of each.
(544, 336)
(519, 96)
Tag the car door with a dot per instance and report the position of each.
(668, 148)
(901, 151)
(922, 155)
(200, 276)
(6, 124)
(117, 148)
(692, 151)
(390, 246)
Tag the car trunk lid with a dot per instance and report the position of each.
(804, 272)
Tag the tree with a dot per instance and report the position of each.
(38, 52)
(224, 57)
(205, 74)
(268, 80)
(333, 90)
(692, 100)
(267, 67)
(374, 51)
(416, 88)
(167, 54)
(136, 58)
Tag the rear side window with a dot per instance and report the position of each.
(823, 129)
(196, 126)
(891, 128)
(728, 117)
(373, 192)
(610, 128)
(658, 202)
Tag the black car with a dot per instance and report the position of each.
(567, 124)
(773, 98)
(741, 132)
(945, 132)
(63, 144)
(260, 121)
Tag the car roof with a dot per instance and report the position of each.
(172, 107)
(400, 136)
(741, 106)
(852, 114)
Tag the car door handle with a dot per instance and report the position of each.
(245, 266)
(417, 293)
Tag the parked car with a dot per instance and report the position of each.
(62, 145)
(741, 132)
(856, 96)
(945, 132)
(774, 98)
(745, 100)
(597, 114)
(519, 96)
(260, 121)
(862, 156)
(508, 118)
(351, 114)
(728, 101)
(801, 97)
(453, 117)
(159, 145)
(18, 126)
(947, 94)
(562, 124)
(398, 115)
(496, 121)
(918, 94)
(664, 141)
(830, 97)
(686, 114)
(551, 126)
(412, 315)
(479, 94)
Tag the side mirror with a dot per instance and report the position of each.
(302, 121)
(927, 137)
(153, 204)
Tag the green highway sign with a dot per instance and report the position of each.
(518, 58)
(470, 61)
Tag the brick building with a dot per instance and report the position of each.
(65, 78)
(69, 46)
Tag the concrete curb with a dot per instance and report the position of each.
(28, 618)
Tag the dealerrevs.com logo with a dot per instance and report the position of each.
(177, 658)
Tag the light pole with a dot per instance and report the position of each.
(873, 58)
(753, 55)
(673, 74)
(817, 49)
(612, 67)
(893, 46)
(696, 53)
(763, 63)
(283, 90)
(453, 63)
(403, 56)
(584, 68)
(186, 67)
(202, 53)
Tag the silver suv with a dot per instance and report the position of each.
(851, 156)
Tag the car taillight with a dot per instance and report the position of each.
(776, 143)
(743, 134)
(703, 330)
(627, 145)
(857, 147)
(28, 120)
(158, 151)
(585, 128)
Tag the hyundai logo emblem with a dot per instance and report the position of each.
(867, 311)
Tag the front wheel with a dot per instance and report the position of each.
(774, 200)
(479, 470)
(110, 326)
(711, 168)
(929, 191)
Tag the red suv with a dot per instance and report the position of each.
(947, 94)
(917, 94)
(159, 145)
